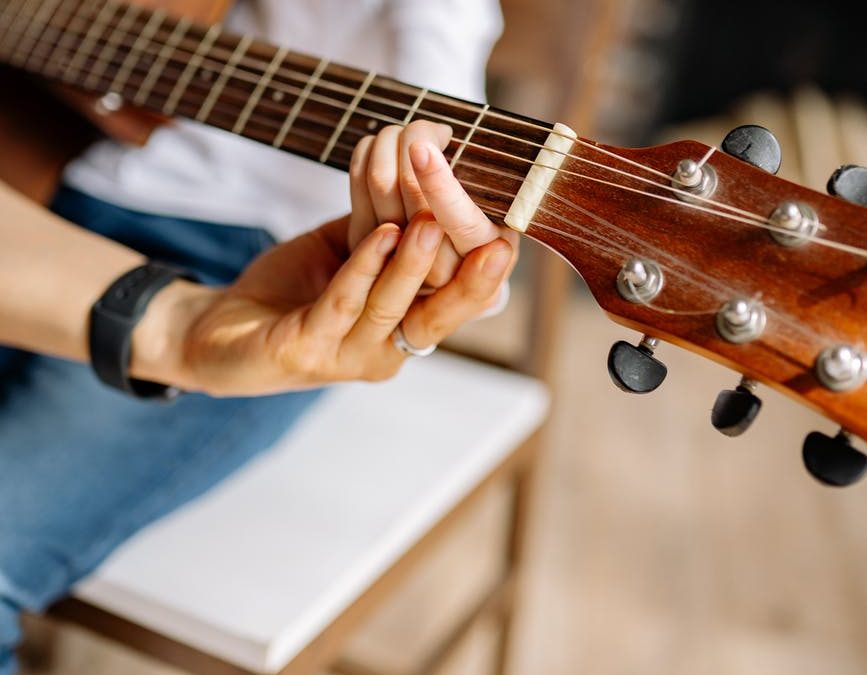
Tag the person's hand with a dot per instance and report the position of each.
(307, 313)
(323, 307)
(401, 173)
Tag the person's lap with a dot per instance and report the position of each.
(83, 467)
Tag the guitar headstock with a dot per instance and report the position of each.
(693, 246)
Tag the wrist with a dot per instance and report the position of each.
(158, 341)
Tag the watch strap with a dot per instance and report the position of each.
(114, 317)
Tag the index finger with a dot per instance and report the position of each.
(462, 220)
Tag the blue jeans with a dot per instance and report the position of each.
(83, 467)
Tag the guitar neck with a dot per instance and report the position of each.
(290, 101)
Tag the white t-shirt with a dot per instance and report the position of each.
(192, 171)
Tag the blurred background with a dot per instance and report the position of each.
(656, 544)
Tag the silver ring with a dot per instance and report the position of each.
(399, 339)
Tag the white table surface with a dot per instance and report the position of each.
(258, 567)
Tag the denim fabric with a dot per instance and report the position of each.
(83, 467)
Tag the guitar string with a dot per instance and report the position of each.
(339, 104)
(658, 254)
(569, 235)
(757, 222)
(392, 85)
(563, 233)
(476, 109)
(708, 283)
(779, 317)
(759, 219)
(325, 84)
(826, 242)
(249, 77)
(596, 245)
(846, 248)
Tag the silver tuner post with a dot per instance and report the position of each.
(841, 368)
(640, 281)
(693, 180)
(741, 320)
(795, 224)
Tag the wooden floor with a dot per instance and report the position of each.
(659, 546)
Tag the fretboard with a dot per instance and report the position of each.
(294, 102)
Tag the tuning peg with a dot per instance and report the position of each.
(754, 145)
(736, 409)
(635, 369)
(850, 183)
(833, 461)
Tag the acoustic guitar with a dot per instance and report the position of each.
(698, 246)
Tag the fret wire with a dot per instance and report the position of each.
(156, 71)
(192, 67)
(299, 103)
(386, 119)
(66, 37)
(18, 28)
(337, 87)
(338, 103)
(389, 120)
(343, 121)
(372, 115)
(226, 72)
(41, 36)
(398, 86)
(42, 14)
(89, 42)
(7, 16)
(468, 137)
(528, 124)
(414, 108)
(109, 49)
(278, 59)
(137, 49)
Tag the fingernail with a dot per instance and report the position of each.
(497, 263)
(445, 130)
(429, 237)
(388, 242)
(419, 155)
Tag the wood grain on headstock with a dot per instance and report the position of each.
(816, 296)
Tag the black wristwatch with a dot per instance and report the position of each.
(112, 320)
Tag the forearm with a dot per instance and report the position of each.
(52, 272)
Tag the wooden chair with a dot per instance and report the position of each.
(274, 570)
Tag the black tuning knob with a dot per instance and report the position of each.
(850, 183)
(754, 145)
(635, 369)
(833, 461)
(735, 409)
